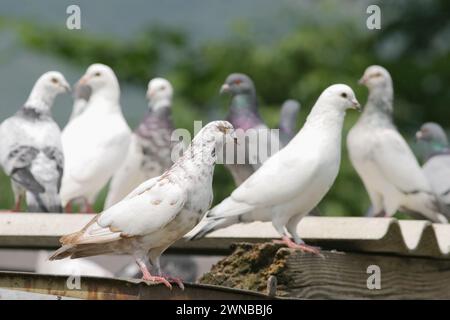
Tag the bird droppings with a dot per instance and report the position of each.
(249, 267)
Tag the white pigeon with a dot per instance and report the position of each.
(31, 151)
(295, 179)
(388, 168)
(158, 212)
(81, 95)
(150, 150)
(96, 142)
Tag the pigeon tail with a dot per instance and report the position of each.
(44, 202)
(213, 225)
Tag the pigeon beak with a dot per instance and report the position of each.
(149, 94)
(66, 87)
(84, 80)
(419, 135)
(356, 105)
(362, 81)
(225, 88)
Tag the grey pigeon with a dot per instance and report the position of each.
(150, 150)
(244, 116)
(436, 158)
(388, 168)
(31, 151)
(288, 121)
(158, 212)
(295, 179)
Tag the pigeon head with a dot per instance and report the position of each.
(431, 132)
(159, 89)
(101, 78)
(376, 77)
(340, 96)
(218, 131)
(238, 83)
(52, 83)
(47, 87)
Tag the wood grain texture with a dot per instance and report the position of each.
(338, 276)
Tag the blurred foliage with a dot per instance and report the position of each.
(413, 44)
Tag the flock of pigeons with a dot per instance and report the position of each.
(153, 201)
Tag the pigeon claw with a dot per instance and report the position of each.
(300, 246)
(157, 279)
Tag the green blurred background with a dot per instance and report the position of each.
(291, 49)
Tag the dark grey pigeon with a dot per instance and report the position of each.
(436, 159)
(288, 121)
(244, 116)
(31, 151)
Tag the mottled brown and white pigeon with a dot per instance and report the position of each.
(388, 168)
(158, 212)
(150, 150)
(31, 151)
(436, 162)
(295, 179)
(96, 142)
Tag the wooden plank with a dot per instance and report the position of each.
(378, 235)
(337, 276)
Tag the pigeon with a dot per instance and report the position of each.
(158, 212)
(288, 121)
(388, 168)
(96, 142)
(244, 116)
(31, 153)
(295, 179)
(150, 150)
(81, 95)
(436, 158)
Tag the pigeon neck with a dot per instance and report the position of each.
(154, 106)
(40, 102)
(105, 100)
(197, 162)
(244, 112)
(380, 102)
(244, 101)
(155, 120)
(435, 148)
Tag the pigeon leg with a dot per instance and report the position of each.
(154, 256)
(301, 246)
(88, 206)
(68, 208)
(17, 204)
(148, 277)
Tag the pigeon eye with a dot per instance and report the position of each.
(343, 95)
(162, 88)
(237, 81)
(54, 80)
(97, 74)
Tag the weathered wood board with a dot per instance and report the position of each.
(337, 276)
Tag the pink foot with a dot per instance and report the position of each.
(157, 279)
(148, 277)
(303, 247)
